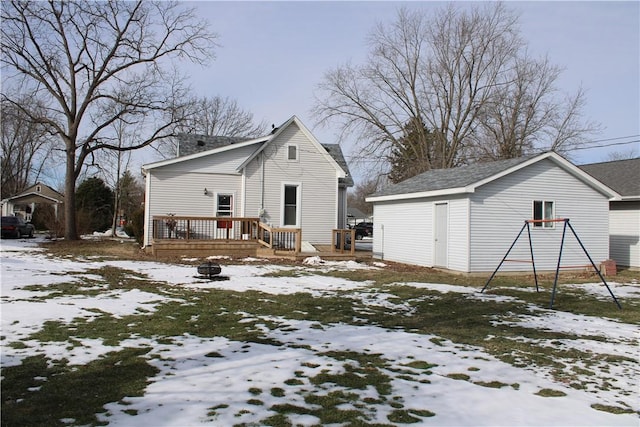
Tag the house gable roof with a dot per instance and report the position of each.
(202, 145)
(621, 175)
(195, 143)
(466, 179)
(197, 154)
(342, 171)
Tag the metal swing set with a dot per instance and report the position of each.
(555, 282)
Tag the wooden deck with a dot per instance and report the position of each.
(200, 237)
(239, 249)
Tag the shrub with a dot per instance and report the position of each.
(135, 227)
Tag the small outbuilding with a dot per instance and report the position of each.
(465, 219)
(624, 214)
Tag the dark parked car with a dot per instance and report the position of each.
(364, 229)
(14, 226)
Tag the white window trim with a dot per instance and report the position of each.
(286, 153)
(224, 193)
(298, 204)
(544, 225)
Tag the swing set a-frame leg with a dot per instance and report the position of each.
(594, 266)
(533, 261)
(555, 281)
(567, 223)
(526, 224)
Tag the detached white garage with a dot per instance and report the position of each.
(465, 219)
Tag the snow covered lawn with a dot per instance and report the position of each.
(118, 342)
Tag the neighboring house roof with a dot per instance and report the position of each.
(336, 152)
(37, 190)
(195, 143)
(466, 179)
(355, 213)
(621, 175)
(195, 146)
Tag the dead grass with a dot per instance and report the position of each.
(449, 317)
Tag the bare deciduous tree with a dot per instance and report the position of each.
(221, 116)
(24, 151)
(356, 197)
(631, 153)
(465, 75)
(215, 116)
(95, 63)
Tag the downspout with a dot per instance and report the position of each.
(262, 187)
(147, 198)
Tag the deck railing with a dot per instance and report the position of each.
(343, 240)
(204, 228)
(284, 239)
(227, 229)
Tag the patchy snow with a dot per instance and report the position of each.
(190, 382)
(109, 233)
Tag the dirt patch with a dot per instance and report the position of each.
(115, 248)
(130, 250)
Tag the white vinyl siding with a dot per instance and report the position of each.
(483, 224)
(624, 232)
(253, 188)
(226, 162)
(319, 191)
(403, 232)
(182, 193)
(499, 209)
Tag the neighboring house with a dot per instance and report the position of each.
(465, 219)
(286, 179)
(25, 203)
(624, 215)
(355, 215)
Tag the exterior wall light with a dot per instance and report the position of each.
(206, 192)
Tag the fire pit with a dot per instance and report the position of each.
(209, 270)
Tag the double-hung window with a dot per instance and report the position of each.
(543, 210)
(290, 217)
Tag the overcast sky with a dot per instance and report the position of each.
(273, 55)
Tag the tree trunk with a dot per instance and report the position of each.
(70, 230)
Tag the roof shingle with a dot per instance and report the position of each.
(194, 143)
(623, 176)
(441, 179)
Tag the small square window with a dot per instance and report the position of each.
(543, 210)
(292, 152)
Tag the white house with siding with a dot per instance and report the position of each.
(465, 219)
(624, 214)
(286, 179)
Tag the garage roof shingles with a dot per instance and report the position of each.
(442, 179)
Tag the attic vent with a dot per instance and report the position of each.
(200, 143)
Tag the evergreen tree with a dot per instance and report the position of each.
(94, 205)
(414, 152)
